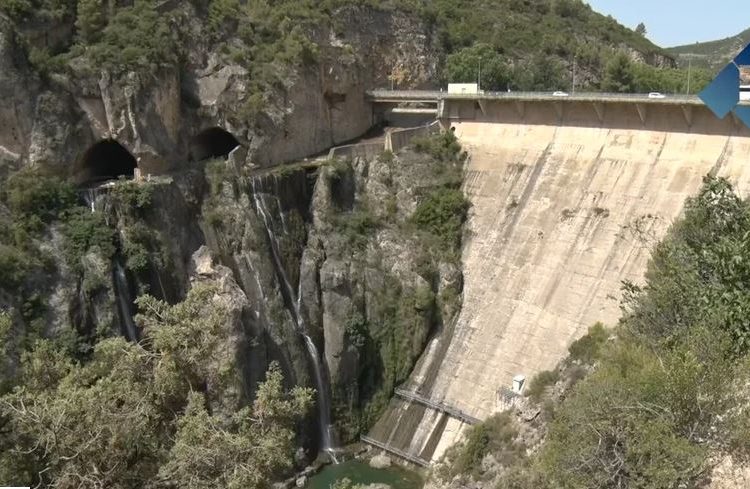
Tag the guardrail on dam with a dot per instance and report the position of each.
(568, 197)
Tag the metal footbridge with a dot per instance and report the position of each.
(395, 451)
(437, 406)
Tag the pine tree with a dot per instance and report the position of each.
(90, 20)
(618, 74)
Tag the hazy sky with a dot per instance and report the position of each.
(671, 22)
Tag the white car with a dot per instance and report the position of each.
(559, 94)
(656, 95)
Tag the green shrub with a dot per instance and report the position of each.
(496, 436)
(83, 231)
(358, 226)
(35, 198)
(356, 330)
(338, 169)
(587, 348)
(442, 213)
(90, 20)
(134, 195)
(137, 245)
(540, 382)
(442, 146)
(136, 38)
(14, 267)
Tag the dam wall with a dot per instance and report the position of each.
(568, 200)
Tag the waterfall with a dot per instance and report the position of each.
(295, 300)
(119, 277)
(89, 197)
(124, 304)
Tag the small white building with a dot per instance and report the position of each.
(518, 383)
(467, 88)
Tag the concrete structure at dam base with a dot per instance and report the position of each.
(568, 199)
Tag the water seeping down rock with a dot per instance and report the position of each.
(314, 306)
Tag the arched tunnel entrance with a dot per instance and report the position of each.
(212, 143)
(106, 160)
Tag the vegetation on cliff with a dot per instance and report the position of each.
(713, 55)
(145, 414)
(532, 45)
(667, 395)
(389, 325)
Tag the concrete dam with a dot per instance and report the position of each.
(568, 199)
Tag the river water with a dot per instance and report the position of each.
(361, 473)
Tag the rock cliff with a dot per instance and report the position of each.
(165, 125)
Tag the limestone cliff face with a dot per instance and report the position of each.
(351, 283)
(53, 122)
(155, 115)
(328, 252)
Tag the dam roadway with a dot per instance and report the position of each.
(569, 195)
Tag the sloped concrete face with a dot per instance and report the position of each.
(561, 214)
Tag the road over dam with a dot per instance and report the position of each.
(569, 196)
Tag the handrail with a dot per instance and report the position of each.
(395, 451)
(438, 406)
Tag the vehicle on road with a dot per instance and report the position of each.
(560, 94)
(656, 95)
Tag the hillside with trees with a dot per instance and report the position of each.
(530, 45)
(713, 55)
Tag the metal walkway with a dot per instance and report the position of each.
(438, 406)
(395, 451)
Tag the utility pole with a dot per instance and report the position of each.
(573, 90)
(690, 66)
(479, 75)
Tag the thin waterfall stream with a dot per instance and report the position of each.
(119, 277)
(124, 304)
(324, 406)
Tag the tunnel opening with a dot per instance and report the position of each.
(107, 160)
(212, 143)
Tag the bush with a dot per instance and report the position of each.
(338, 169)
(14, 267)
(539, 384)
(442, 213)
(587, 348)
(136, 38)
(496, 436)
(357, 226)
(35, 198)
(443, 146)
(356, 330)
(83, 231)
(134, 195)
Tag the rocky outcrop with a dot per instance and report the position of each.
(372, 288)
(155, 114)
(18, 88)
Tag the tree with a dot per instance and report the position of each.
(90, 20)
(641, 29)
(136, 415)
(464, 66)
(618, 74)
(243, 453)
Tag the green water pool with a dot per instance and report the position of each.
(361, 473)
